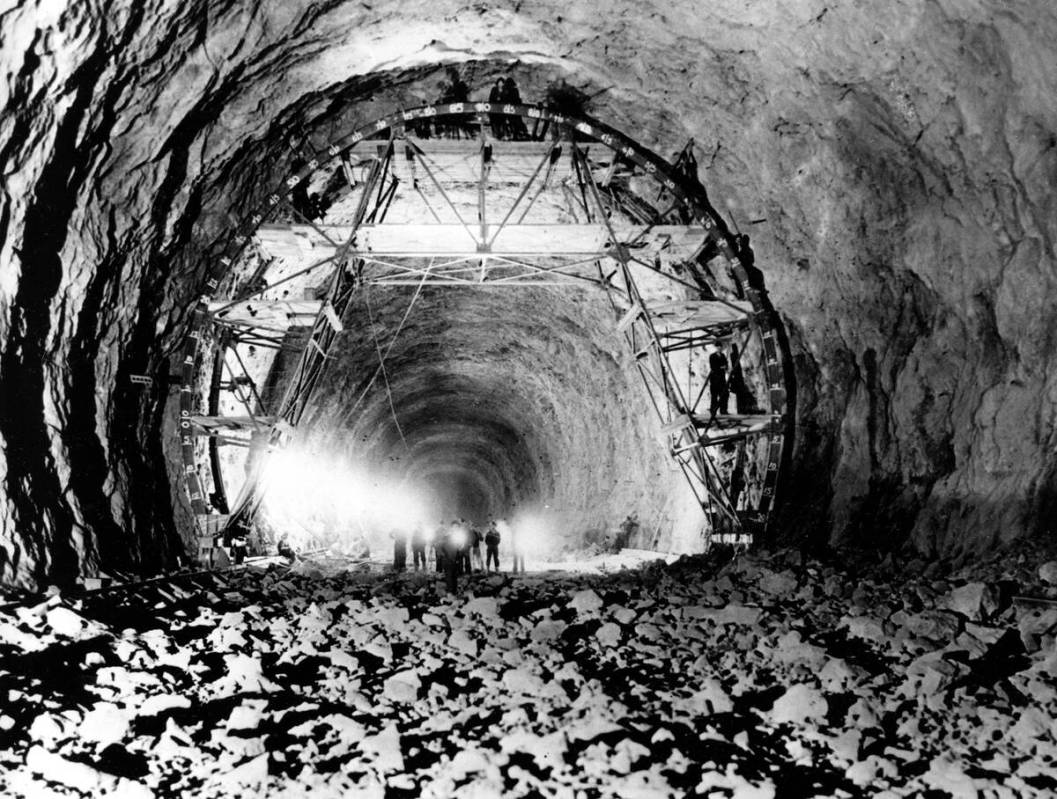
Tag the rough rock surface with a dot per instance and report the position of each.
(894, 163)
(364, 684)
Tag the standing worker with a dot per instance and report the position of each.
(491, 545)
(497, 121)
(465, 539)
(511, 96)
(519, 553)
(418, 547)
(452, 547)
(476, 536)
(439, 537)
(717, 382)
(399, 549)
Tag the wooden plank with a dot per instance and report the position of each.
(270, 314)
(458, 162)
(690, 314)
(295, 242)
(471, 147)
(673, 242)
(727, 427)
(231, 424)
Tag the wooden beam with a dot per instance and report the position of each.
(458, 161)
(727, 427)
(689, 314)
(304, 242)
(268, 314)
(231, 424)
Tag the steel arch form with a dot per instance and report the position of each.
(689, 192)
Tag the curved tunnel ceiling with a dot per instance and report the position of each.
(894, 165)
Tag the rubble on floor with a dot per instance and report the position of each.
(764, 676)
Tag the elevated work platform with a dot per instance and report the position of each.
(307, 242)
(455, 162)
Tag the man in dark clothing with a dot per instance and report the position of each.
(454, 90)
(491, 545)
(440, 545)
(236, 537)
(453, 545)
(517, 550)
(285, 550)
(476, 537)
(418, 547)
(717, 382)
(628, 529)
(497, 121)
(686, 162)
(465, 540)
(516, 125)
(399, 549)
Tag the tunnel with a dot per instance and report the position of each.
(737, 317)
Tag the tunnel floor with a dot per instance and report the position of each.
(762, 676)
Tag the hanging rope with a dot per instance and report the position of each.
(380, 370)
(388, 349)
(381, 365)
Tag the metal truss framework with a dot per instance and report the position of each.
(603, 249)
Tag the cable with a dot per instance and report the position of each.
(381, 366)
(388, 349)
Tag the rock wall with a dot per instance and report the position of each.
(894, 164)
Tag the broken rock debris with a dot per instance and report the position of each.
(752, 680)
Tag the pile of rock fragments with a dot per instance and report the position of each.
(763, 676)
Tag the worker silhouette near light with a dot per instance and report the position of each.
(453, 547)
(464, 539)
(399, 549)
(419, 541)
(491, 545)
(476, 537)
(517, 548)
(440, 537)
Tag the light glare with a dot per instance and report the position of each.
(316, 500)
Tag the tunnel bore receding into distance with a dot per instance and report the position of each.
(525, 396)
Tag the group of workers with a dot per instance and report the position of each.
(455, 548)
(505, 92)
(455, 90)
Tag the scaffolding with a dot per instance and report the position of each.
(613, 236)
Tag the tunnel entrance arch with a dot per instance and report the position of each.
(641, 230)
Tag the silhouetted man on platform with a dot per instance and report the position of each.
(717, 382)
